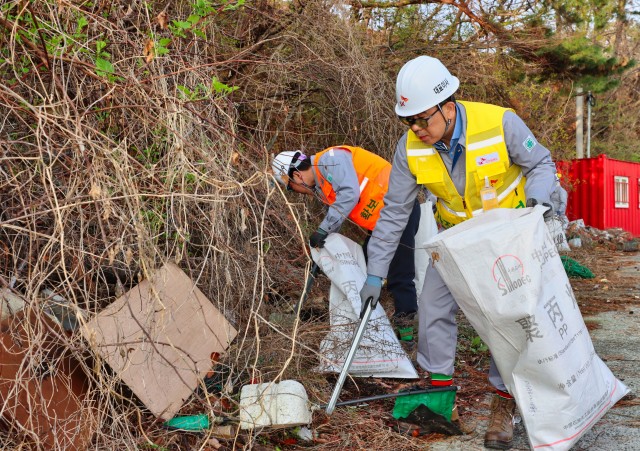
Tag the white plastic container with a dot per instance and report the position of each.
(284, 404)
(575, 242)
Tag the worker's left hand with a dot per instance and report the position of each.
(371, 289)
(317, 238)
(548, 215)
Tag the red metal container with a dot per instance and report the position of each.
(603, 192)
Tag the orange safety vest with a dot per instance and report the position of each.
(373, 176)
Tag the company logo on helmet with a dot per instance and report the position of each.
(440, 86)
(403, 100)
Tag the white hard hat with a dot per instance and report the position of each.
(423, 83)
(282, 163)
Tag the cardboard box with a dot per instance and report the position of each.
(159, 337)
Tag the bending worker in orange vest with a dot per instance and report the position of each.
(352, 182)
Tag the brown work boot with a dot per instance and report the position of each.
(499, 433)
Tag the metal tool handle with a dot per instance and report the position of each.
(364, 319)
(397, 395)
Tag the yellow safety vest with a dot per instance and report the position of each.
(486, 156)
(373, 177)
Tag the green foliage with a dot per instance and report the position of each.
(152, 446)
(161, 46)
(197, 21)
(574, 12)
(197, 93)
(152, 151)
(582, 15)
(154, 221)
(203, 8)
(82, 22)
(602, 11)
(232, 6)
(220, 88)
(477, 345)
(104, 68)
(580, 59)
(179, 28)
(150, 155)
(201, 92)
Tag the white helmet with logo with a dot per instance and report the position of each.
(423, 83)
(282, 162)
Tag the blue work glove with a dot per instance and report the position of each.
(371, 289)
(531, 202)
(317, 238)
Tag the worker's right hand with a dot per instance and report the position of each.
(531, 202)
(371, 289)
(317, 238)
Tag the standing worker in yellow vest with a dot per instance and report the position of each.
(453, 147)
(352, 182)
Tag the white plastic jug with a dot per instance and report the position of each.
(283, 404)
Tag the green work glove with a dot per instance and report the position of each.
(371, 289)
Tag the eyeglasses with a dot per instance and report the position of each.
(422, 122)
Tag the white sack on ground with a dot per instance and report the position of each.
(380, 353)
(504, 271)
(426, 230)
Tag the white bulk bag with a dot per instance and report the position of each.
(504, 271)
(426, 230)
(380, 353)
(556, 230)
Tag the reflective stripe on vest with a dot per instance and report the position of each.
(363, 184)
(373, 177)
(503, 195)
(486, 156)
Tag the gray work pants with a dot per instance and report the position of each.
(438, 331)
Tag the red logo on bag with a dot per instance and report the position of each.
(508, 272)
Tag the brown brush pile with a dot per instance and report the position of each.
(137, 133)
